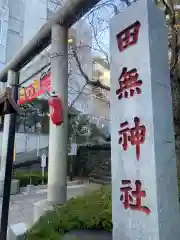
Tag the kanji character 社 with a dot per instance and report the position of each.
(132, 199)
(129, 84)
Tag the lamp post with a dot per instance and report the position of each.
(38, 126)
(71, 160)
(9, 107)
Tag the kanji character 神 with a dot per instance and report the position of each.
(135, 135)
(132, 199)
(128, 80)
(128, 36)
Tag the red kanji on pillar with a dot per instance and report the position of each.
(135, 135)
(129, 83)
(128, 36)
(132, 198)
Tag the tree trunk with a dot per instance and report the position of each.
(176, 113)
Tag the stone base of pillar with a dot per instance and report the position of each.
(40, 208)
(14, 187)
(17, 231)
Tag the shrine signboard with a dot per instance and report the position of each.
(35, 89)
(144, 180)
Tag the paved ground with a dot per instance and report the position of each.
(21, 205)
(88, 235)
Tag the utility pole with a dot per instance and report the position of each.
(58, 137)
(38, 138)
(7, 118)
(7, 164)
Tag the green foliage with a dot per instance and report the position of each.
(34, 178)
(179, 184)
(92, 210)
(83, 129)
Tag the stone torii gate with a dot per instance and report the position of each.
(144, 184)
(54, 32)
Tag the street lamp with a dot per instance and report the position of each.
(160, 5)
(38, 126)
(8, 106)
(70, 40)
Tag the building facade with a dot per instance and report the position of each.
(19, 22)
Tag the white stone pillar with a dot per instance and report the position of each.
(144, 176)
(11, 80)
(58, 137)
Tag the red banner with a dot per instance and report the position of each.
(35, 89)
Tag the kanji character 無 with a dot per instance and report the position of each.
(128, 80)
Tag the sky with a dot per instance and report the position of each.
(100, 20)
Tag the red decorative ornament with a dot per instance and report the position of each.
(56, 110)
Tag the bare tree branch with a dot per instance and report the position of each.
(98, 45)
(80, 92)
(88, 81)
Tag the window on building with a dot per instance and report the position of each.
(50, 13)
(1, 31)
(36, 115)
(5, 2)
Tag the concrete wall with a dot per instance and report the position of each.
(28, 142)
(4, 16)
(15, 28)
(35, 15)
(88, 158)
(11, 30)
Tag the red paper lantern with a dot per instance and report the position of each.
(56, 110)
